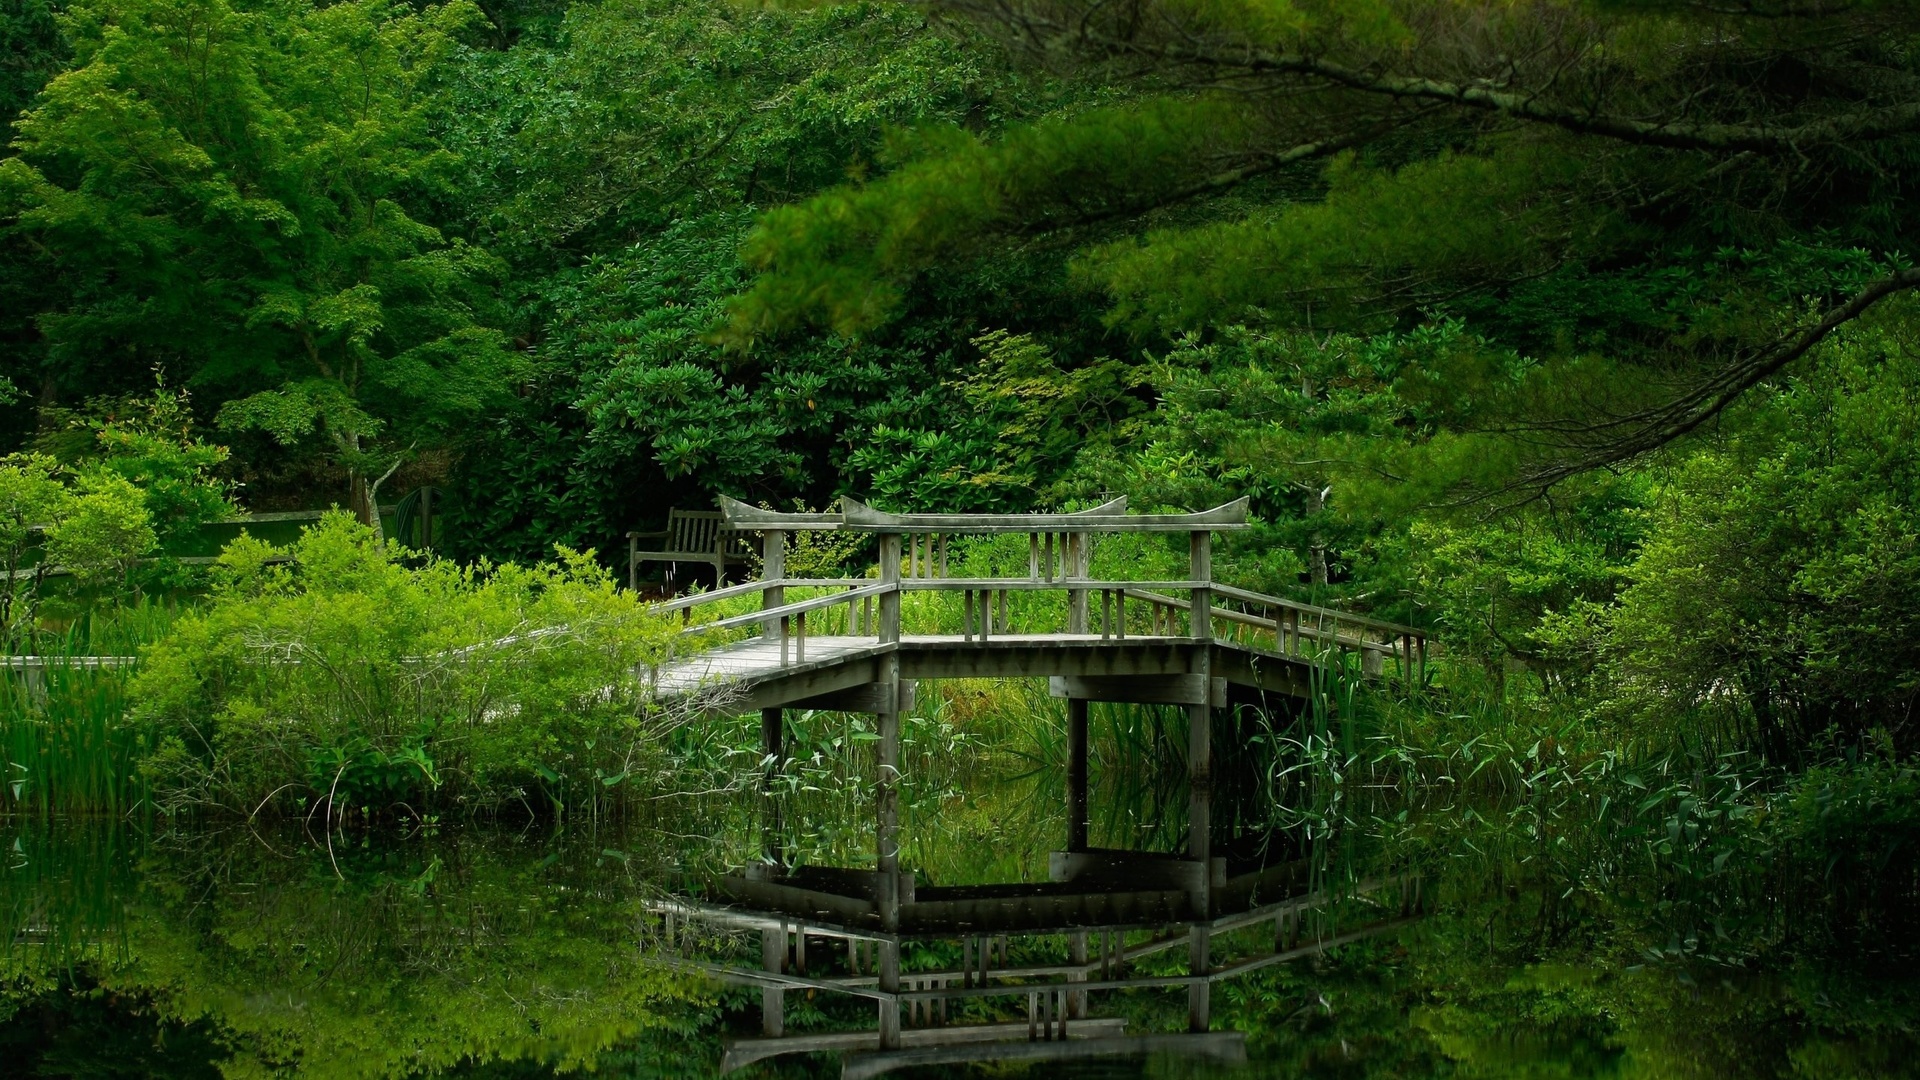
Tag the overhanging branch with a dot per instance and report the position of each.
(1620, 439)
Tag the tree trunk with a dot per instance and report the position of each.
(372, 515)
(360, 496)
(1317, 540)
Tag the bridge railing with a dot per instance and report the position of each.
(913, 558)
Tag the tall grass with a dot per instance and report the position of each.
(68, 744)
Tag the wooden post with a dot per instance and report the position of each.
(1200, 788)
(773, 957)
(772, 737)
(889, 983)
(1075, 569)
(1200, 568)
(1199, 962)
(773, 730)
(1077, 776)
(773, 568)
(633, 562)
(887, 841)
(1077, 953)
(1200, 851)
(887, 796)
(889, 629)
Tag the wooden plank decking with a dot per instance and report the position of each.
(761, 672)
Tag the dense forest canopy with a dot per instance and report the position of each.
(1580, 330)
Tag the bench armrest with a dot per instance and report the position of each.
(661, 535)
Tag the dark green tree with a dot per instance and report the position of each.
(618, 170)
(1302, 165)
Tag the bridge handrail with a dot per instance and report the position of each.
(859, 517)
(1058, 558)
(1030, 585)
(1248, 596)
(799, 607)
(1305, 630)
(749, 588)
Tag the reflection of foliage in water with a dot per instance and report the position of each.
(1593, 915)
(377, 958)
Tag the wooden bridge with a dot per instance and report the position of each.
(862, 645)
(1190, 641)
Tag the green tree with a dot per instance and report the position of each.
(1343, 167)
(618, 168)
(225, 193)
(31, 52)
(151, 443)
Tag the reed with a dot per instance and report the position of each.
(69, 743)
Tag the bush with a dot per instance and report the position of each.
(1780, 580)
(345, 670)
(93, 524)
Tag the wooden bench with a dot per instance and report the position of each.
(694, 536)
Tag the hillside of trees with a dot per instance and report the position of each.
(1582, 333)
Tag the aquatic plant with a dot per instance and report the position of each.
(68, 742)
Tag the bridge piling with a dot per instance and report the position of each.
(1200, 787)
(1077, 821)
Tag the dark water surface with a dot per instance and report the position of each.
(571, 950)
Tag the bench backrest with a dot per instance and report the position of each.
(701, 531)
(693, 530)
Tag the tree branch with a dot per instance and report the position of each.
(1219, 183)
(1623, 438)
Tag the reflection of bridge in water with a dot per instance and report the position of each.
(1192, 642)
(1273, 918)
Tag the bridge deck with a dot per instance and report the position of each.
(760, 673)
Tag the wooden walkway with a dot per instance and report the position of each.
(1192, 642)
(1145, 641)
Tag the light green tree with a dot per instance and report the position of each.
(231, 194)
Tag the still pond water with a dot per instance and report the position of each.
(586, 948)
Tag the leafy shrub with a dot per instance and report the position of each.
(92, 523)
(1780, 579)
(336, 669)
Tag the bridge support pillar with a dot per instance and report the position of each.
(1077, 953)
(1199, 962)
(1077, 774)
(886, 798)
(773, 999)
(887, 821)
(889, 983)
(1200, 791)
(773, 734)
